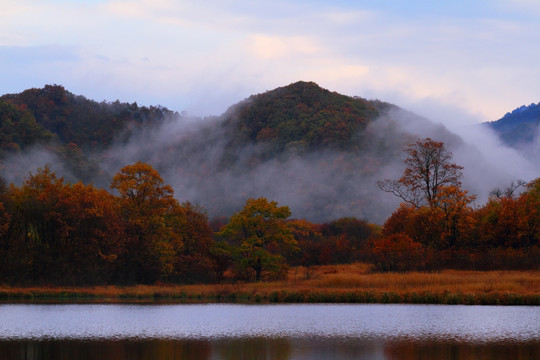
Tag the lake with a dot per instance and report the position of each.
(304, 331)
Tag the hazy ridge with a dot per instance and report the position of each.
(317, 151)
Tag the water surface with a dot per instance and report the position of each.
(218, 331)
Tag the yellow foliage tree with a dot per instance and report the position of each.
(260, 235)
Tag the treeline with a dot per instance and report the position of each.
(500, 235)
(54, 232)
(62, 233)
(436, 227)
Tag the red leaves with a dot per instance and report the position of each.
(398, 252)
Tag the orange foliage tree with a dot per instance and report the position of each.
(61, 233)
(436, 210)
(193, 263)
(398, 252)
(151, 216)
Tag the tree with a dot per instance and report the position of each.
(435, 212)
(428, 170)
(529, 220)
(193, 263)
(309, 240)
(509, 191)
(454, 202)
(61, 233)
(95, 237)
(260, 236)
(38, 228)
(151, 213)
(397, 252)
(349, 237)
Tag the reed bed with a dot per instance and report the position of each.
(352, 283)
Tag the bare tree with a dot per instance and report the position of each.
(509, 191)
(428, 170)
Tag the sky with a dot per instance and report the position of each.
(460, 61)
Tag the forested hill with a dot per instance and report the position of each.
(317, 151)
(300, 116)
(76, 119)
(69, 125)
(520, 128)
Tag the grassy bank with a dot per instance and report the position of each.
(326, 284)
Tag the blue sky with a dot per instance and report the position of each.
(465, 61)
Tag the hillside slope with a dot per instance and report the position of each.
(317, 151)
(69, 126)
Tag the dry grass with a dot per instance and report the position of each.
(337, 283)
(523, 282)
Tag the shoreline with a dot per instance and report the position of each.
(346, 284)
(283, 297)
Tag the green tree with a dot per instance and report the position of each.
(260, 236)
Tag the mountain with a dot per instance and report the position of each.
(520, 128)
(319, 152)
(68, 125)
(76, 119)
(299, 115)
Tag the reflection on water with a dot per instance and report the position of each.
(440, 351)
(385, 332)
(263, 349)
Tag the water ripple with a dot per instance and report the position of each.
(476, 324)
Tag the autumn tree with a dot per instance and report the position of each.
(151, 213)
(349, 239)
(310, 242)
(96, 235)
(37, 229)
(193, 263)
(423, 225)
(60, 233)
(259, 236)
(435, 211)
(454, 203)
(397, 252)
(529, 221)
(428, 170)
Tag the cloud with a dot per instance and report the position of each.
(273, 47)
(206, 55)
(525, 6)
(17, 55)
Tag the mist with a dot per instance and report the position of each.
(321, 185)
(16, 168)
(191, 154)
(488, 162)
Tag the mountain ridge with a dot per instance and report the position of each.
(520, 128)
(317, 151)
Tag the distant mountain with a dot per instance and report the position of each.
(520, 128)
